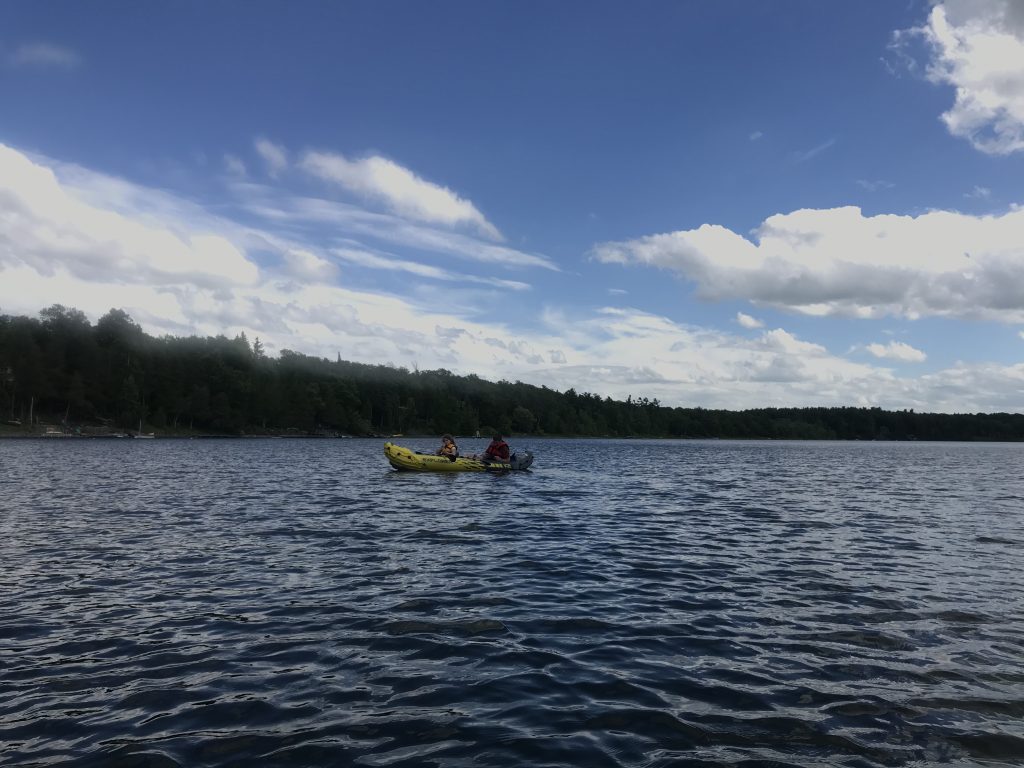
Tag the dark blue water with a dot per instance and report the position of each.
(277, 602)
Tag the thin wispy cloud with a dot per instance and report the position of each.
(389, 263)
(234, 165)
(756, 135)
(979, 193)
(874, 186)
(399, 189)
(274, 155)
(276, 205)
(890, 67)
(809, 154)
(44, 55)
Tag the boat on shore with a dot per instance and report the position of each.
(407, 460)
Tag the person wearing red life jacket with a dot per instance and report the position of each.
(496, 451)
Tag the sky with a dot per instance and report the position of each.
(714, 203)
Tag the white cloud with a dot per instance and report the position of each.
(756, 135)
(626, 351)
(89, 235)
(897, 350)
(747, 321)
(234, 165)
(615, 353)
(979, 193)
(617, 291)
(781, 340)
(46, 227)
(874, 186)
(838, 261)
(696, 366)
(401, 190)
(274, 155)
(275, 206)
(308, 266)
(85, 240)
(977, 47)
(389, 263)
(807, 154)
(44, 55)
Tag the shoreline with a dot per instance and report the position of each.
(42, 435)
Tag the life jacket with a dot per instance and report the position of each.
(498, 451)
(450, 449)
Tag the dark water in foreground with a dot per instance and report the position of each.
(214, 603)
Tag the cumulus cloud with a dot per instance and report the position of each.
(44, 55)
(783, 341)
(841, 262)
(274, 155)
(747, 321)
(624, 351)
(977, 46)
(401, 190)
(699, 366)
(897, 350)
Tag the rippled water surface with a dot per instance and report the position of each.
(291, 602)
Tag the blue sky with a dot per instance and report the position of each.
(727, 204)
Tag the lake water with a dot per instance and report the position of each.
(627, 603)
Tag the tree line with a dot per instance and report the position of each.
(60, 368)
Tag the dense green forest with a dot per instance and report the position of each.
(61, 369)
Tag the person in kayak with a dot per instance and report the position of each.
(496, 451)
(448, 447)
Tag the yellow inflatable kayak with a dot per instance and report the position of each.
(407, 460)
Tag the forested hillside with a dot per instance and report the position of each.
(59, 368)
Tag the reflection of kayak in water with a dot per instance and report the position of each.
(405, 459)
